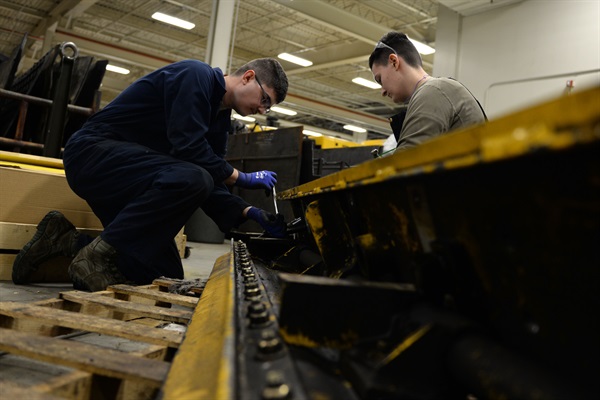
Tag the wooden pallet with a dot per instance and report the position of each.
(113, 344)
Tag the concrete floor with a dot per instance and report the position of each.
(199, 264)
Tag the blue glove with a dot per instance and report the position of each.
(257, 180)
(273, 225)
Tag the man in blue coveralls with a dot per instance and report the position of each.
(146, 162)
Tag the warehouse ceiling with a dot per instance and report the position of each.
(336, 35)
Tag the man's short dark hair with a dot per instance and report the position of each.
(403, 47)
(270, 73)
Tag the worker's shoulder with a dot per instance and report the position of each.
(448, 87)
(443, 82)
(189, 63)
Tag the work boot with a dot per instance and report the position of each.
(55, 236)
(94, 267)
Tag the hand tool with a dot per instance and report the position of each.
(275, 201)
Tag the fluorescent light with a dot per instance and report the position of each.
(422, 47)
(282, 110)
(295, 60)
(354, 128)
(367, 83)
(247, 119)
(118, 70)
(173, 21)
(311, 133)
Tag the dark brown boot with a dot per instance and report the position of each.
(55, 236)
(94, 267)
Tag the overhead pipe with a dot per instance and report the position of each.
(44, 102)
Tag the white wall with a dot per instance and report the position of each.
(539, 43)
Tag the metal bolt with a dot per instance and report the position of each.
(256, 307)
(253, 298)
(532, 328)
(259, 318)
(251, 291)
(251, 285)
(276, 388)
(269, 342)
(252, 294)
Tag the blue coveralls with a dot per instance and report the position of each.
(149, 159)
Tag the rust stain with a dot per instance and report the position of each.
(403, 224)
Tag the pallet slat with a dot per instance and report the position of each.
(14, 236)
(6, 263)
(88, 323)
(73, 385)
(194, 286)
(185, 301)
(11, 391)
(166, 314)
(85, 357)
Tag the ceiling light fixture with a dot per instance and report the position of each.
(311, 133)
(355, 128)
(173, 20)
(241, 118)
(282, 110)
(367, 83)
(118, 70)
(422, 47)
(294, 59)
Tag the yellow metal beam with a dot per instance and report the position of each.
(28, 161)
(203, 368)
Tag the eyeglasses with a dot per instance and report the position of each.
(381, 45)
(266, 99)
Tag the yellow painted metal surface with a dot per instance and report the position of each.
(29, 161)
(373, 142)
(546, 126)
(328, 142)
(203, 368)
(10, 164)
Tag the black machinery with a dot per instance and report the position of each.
(465, 268)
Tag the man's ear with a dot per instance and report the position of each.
(395, 60)
(248, 76)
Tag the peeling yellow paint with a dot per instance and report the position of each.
(366, 241)
(315, 221)
(403, 224)
(346, 339)
(297, 339)
(406, 343)
(385, 172)
(341, 184)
